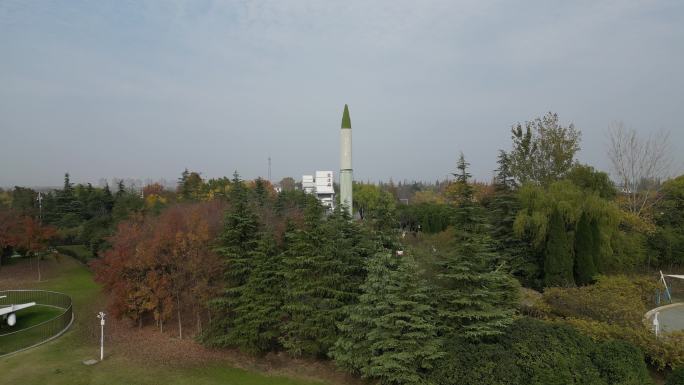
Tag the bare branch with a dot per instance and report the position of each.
(640, 164)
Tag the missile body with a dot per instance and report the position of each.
(346, 162)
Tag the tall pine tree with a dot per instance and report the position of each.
(260, 191)
(258, 313)
(67, 211)
(240, 237)
(107, 199)
(475, 296)
(390, 334)
(323, 268)
(238, 244)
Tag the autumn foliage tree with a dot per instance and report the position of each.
(163, 266)
(8, 230)
(24, 234)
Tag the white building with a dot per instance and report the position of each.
(321, 185)
(308, 184)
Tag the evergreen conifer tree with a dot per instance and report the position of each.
(50, 212)
(238, 244)
(475, 296)
(558, 254)
(260, 191)
(67, 207)
(586, 249)
(258, 313)
(120, 189)
(473, 299)
(306, 247)
(504, 206)
(323, 268)
(240, 237)
(107, 199)
(390, 333)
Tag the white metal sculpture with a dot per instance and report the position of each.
(9, 313)
(101, 316)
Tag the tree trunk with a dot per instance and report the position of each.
(199, 321)
(180, 323)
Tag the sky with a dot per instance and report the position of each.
(145, 89)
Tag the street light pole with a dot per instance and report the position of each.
(101, 316)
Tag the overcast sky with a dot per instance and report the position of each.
(144, 89)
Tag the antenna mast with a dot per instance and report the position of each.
(40, 207)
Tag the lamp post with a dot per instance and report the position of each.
(101, 316)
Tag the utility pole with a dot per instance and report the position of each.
(269, 168)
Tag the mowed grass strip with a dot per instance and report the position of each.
(59, 362)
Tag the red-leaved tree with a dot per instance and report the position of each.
(161, 266)
(25, 234)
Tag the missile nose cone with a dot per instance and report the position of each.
(346, 122)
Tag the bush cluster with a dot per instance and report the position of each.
(613, 308)
(541, 353)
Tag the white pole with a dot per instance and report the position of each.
(101, 316)
(667, 289)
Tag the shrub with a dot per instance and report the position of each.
(676, 377)
(663, 352)
(615, 299)
(478, 363)
(553, 354)
(541, 353)
(620, 363)
(613, 308)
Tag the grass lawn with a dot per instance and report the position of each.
(60, 361)
(31, 316)
(25, 319)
